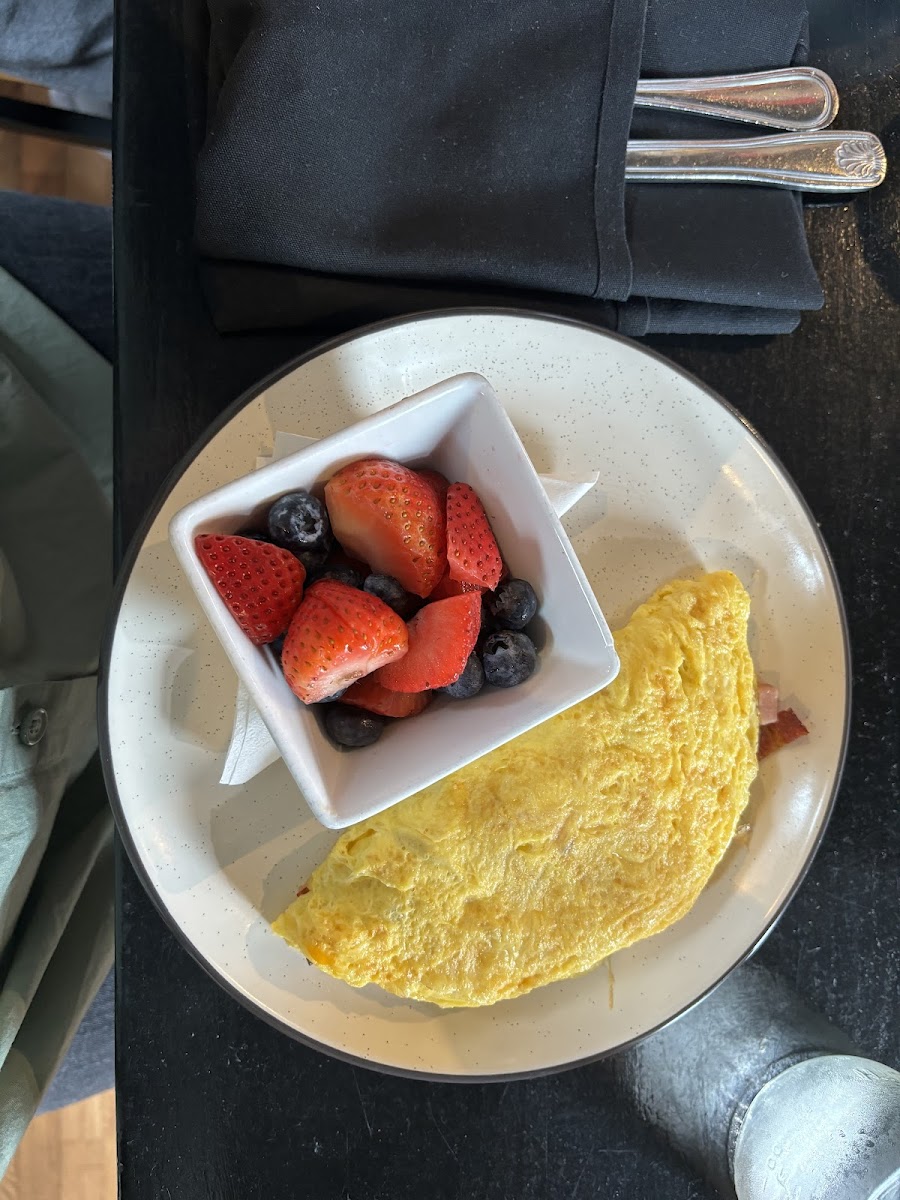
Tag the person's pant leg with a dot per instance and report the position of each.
(62, 252)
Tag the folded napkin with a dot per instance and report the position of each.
(251, 748)
(371, 162)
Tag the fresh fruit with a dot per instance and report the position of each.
(473, 555)
(343, 573)
(369, 694)
(469, 683)
(441, 638)
(407, 593)
(508, 658)
(299, 522)
(261, 584)
(488, 625)
(449, 586)
(390, 517)
(440, 483)
(337, 635)
(393, 593)
(513, 604)
(353, 728)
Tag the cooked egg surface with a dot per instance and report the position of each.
(597, 828)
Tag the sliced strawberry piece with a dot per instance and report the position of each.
(261, 584)
(440, 483)
(441, 638)
(473, 555)
(782, 732)
(452, 587)
(369, 694)
(337, 635)
(390, 517)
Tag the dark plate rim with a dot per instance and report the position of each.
(124, 575)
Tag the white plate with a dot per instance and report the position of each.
(684, 485)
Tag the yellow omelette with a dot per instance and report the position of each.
(593, 830)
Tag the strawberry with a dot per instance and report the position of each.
(369, 694)
(472, 551)
(388, 516)
(337, 635)
(261, 584)
(452, 587)
(438, 482)
(441, 638)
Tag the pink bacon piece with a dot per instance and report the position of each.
(767, 701)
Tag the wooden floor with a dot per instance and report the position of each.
(69, 1154)
(47, 167)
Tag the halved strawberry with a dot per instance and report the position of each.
(439, 482)
(388, 516)
(473, 555)
(337, 635)
(260, 583)
(369, 694)
(441, 638)
(452, 587)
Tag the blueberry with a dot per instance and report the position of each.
(343, 573)
(334, 696)
(509, 658)
(253, 534)
(393, 593)
(352, 727)
(299, 522)
(513, 604)
(469, 683)
(488, 624)
(312, 561)
(277, 645)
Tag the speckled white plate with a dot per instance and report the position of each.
(684, 486)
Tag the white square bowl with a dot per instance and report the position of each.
(460, 428)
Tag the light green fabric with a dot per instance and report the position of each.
(56, 882)
(73, 380)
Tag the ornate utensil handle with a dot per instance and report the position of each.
(829, 161)
(796, 98)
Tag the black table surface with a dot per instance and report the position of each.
(212, 1102)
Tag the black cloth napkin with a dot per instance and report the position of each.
(372, 162)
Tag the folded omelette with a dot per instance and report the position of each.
(597, 828)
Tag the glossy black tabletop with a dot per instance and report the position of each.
(215, 1104)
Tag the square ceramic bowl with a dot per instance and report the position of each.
(460, 428)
